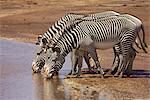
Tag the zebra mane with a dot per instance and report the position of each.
(71, 24)
(98, 18)
(76, 14)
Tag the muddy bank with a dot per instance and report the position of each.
(109, 88)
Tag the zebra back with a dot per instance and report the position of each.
(95, 31)
(71, 19)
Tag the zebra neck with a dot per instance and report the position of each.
(67, 42)
(65, 49)
(53, 31)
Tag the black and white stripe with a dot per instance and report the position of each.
(54, 32)
(117, 52)
(108, 30)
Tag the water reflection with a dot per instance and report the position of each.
(48, 89)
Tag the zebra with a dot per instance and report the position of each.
(48, 35)
(90, 35)
(117, 52)
(55, 31)
(74, 63)
(116, 49)
(38, 57)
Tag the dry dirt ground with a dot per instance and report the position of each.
(24, 20)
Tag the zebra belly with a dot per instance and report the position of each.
(105, 45)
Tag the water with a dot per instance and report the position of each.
(16, 79)
(18, 83)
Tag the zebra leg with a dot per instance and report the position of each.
(115, 61)
(119, 64)
(132, 56)
(86, 58)
(74, 60)
(94, 56)
(125, 47)
(130, 63)
(80, 60)
(122, 66)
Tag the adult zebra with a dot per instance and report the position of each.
(143, 46)
(40, 58)
(117, 52)
(55, 31)
(89, 35)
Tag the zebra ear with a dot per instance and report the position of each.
(44, 41)
(37, 43)
(39, 37)
(39, 40)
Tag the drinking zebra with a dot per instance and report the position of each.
(117, 52)
(54, 33)
(36, 66)
(90, 35)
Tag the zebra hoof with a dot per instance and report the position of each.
(93, 71)
(77, 76)
(116, 74)
(109, 72)
(128, 75)
(74, 74)
(102, 76)
(70, 73)
(121, 75)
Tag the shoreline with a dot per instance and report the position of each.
(19, 40)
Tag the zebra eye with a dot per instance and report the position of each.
(38, 53)
(48, 57)
(54, 60)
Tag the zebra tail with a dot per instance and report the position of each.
(141, 43)
(142, 27)
(135, 50)
(137, 45)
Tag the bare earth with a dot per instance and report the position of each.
(24, 20)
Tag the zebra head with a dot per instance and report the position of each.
(54, 63)
(41, 41)
(40, 55)
(38, 60)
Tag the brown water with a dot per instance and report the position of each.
(16, 79)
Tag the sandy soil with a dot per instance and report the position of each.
(104, 89)
(24, 20)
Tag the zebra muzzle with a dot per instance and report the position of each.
(35, 68)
